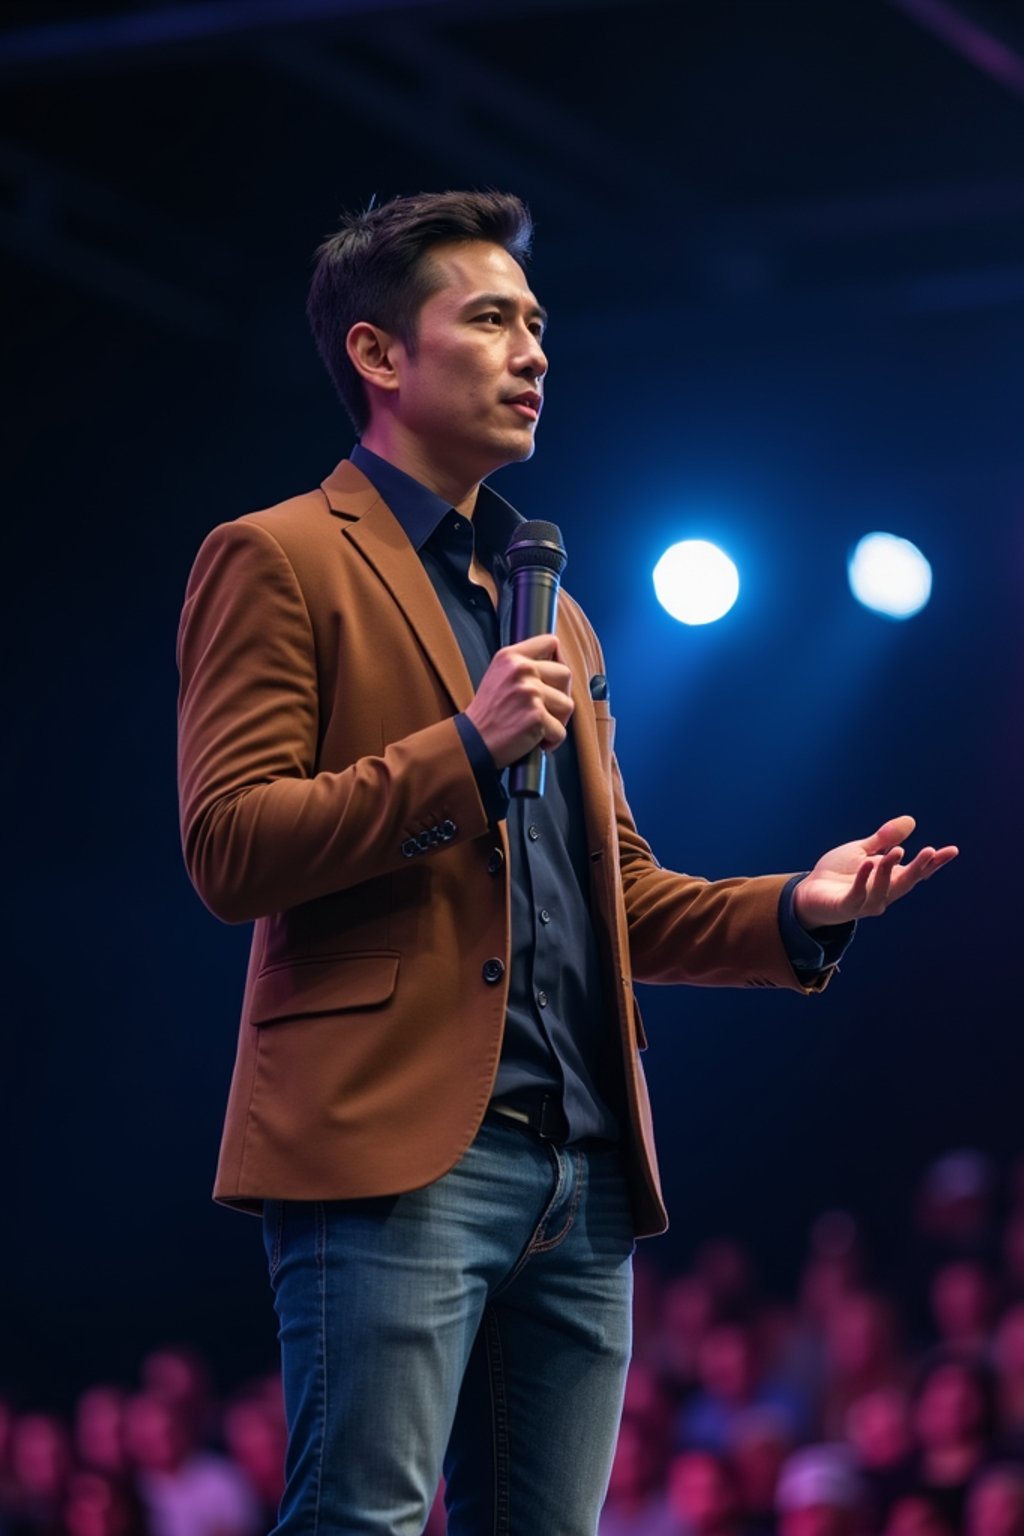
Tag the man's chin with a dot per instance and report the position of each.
(520, 448)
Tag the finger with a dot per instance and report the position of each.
(923, 866)
(554, 734)
(536, 647)
(881, 882)
(859, 888)
(557, 701)
(554, 674)
(896, 830)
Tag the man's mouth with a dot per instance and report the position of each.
(527, 404)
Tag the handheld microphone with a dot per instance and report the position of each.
(536, 559)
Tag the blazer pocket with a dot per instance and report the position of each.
(323, 984)
(605, 722)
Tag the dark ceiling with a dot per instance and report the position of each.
(698, 155)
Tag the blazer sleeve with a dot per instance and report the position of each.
(263, 827)
(683, 928)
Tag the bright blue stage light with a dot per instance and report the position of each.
(890, 575)
(696, 582)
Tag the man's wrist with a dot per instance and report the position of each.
(810, 950)
(486, 774)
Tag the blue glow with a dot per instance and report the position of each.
(890, 575)
(696, 582)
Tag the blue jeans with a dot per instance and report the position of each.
(482, 1322)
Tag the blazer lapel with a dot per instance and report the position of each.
(375, 532)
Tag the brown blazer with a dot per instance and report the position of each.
(326, 794)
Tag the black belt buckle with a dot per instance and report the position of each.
(548, 1119)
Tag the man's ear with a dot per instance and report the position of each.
(371, 351)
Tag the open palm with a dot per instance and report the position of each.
(862, 879)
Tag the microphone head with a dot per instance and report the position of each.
(536, 544)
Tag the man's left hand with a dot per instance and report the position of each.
(862, 879)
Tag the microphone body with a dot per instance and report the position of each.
(536, 558)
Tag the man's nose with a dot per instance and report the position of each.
(530, 357)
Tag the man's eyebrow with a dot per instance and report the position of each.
(507, 305)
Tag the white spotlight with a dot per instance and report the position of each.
(890, 575)
(696, 582)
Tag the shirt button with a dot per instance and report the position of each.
(495, 862)
(457, 525)
(493, 970)
(544, 915)
(533, 833)
(542, 999)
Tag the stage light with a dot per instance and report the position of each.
(696, 582)
(890, 575)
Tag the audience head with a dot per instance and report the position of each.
(962, 1300)
(637, 1466)
(860, 1336)
(40, 1455)
(954, 1404)
(256, 1438)
(727, 1364)
(916, 1515)
(99, 1429)
(834, 1266)
(702, 1495)
(687, 1312)
(760, 1441)
(157, 1433)
(98, 1504)
(954, 1206)
(819, 1493)
(878, 1429)
(995, 1504)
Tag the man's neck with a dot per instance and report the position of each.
(410, 458)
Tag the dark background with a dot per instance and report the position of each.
(783, 249)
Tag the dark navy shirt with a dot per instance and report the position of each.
(557, 1034)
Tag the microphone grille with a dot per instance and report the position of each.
(537, 544)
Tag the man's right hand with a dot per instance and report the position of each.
(523, 700)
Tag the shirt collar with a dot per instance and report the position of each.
(420, 510)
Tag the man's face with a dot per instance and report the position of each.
(469, 396)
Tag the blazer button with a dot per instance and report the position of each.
(495, 862)
(493, 971)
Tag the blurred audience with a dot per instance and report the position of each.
(884, 1398)
(731, 1381)
(186, 1491)
(702, 1496)
(41, 1465)
(820, 1493)
(962, 1300)
(995, 1505)
(954, 1428)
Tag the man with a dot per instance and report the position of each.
(437, 1102)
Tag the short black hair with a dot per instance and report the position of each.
(374, 268)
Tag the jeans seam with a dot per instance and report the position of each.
(499, 1425)
(321, 1265)
(570, 1215)
(276, 1238)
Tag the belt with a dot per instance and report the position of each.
(543, 1114)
